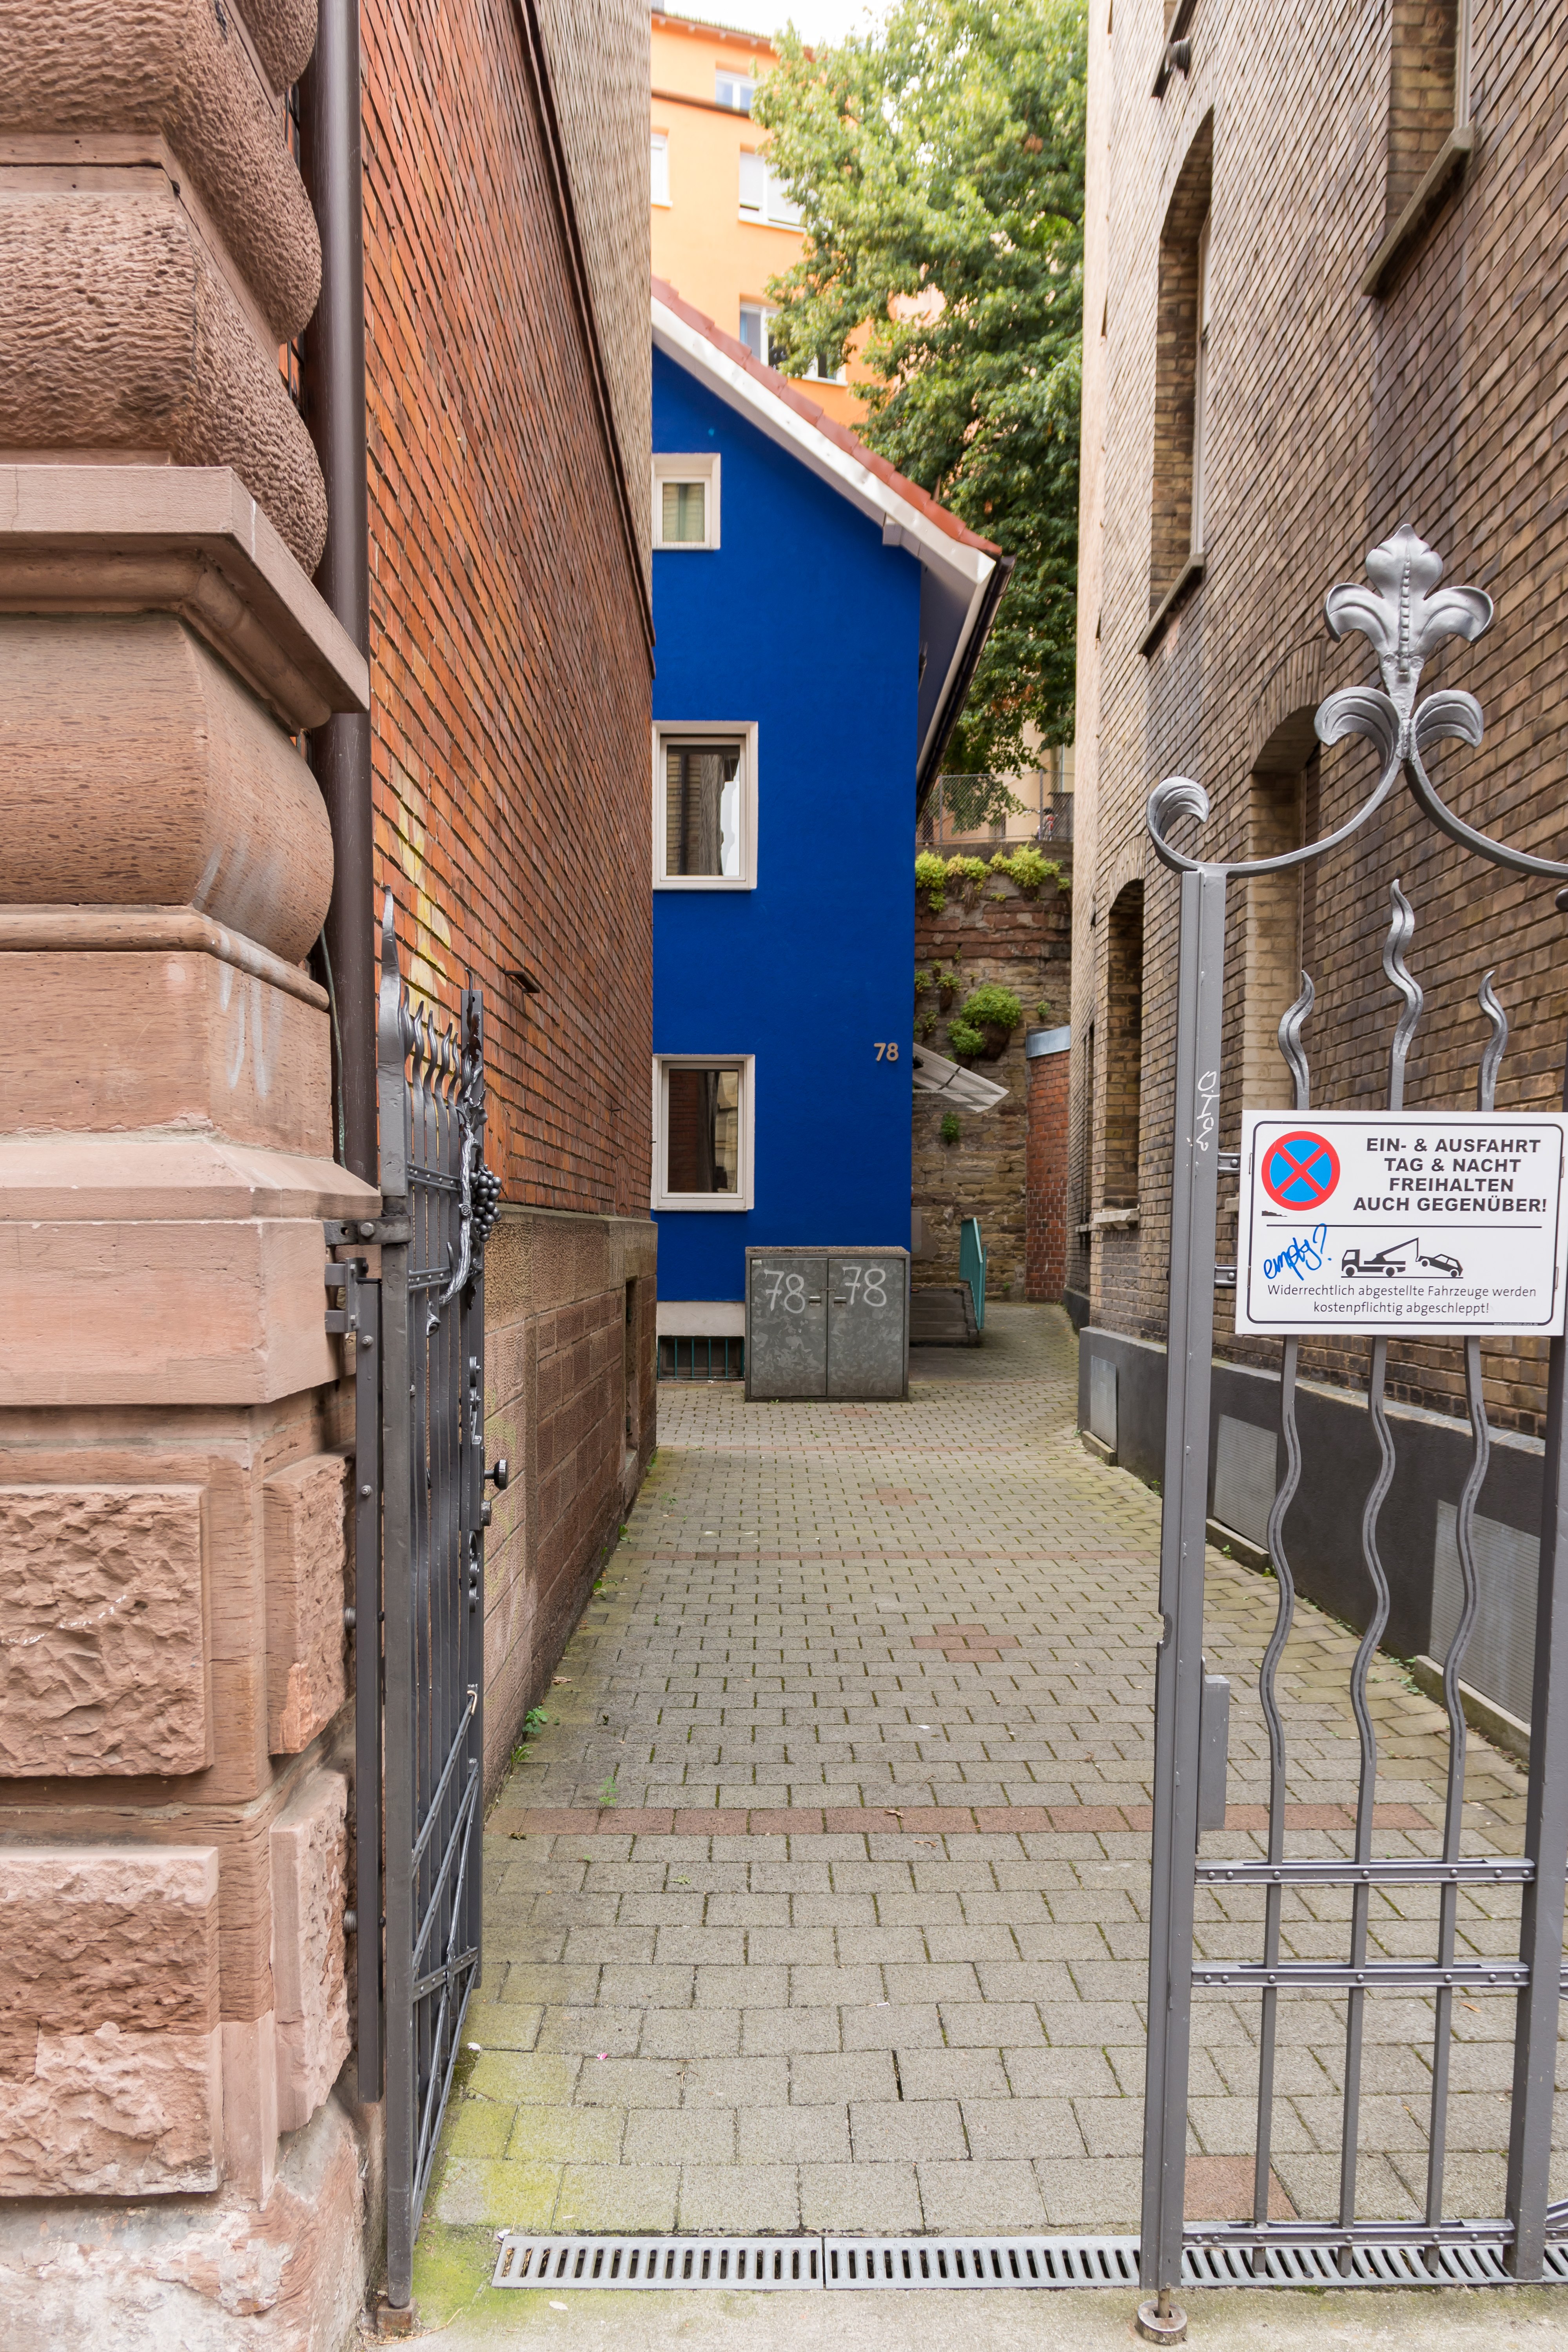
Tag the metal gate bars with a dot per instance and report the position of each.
(1405, 616)
(420, 1688)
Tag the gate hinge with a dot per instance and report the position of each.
(344, 1234)
(1225, 1278)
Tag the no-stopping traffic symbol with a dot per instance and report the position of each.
(1300, 1170)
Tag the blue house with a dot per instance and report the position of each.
(818, 618)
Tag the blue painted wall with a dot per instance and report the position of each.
(802, 620)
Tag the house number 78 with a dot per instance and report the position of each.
(889, 1053)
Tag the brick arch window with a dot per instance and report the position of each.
(1123, 1046)
(1282, 785)
(1183, 448)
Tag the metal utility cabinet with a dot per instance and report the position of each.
(828, 1322)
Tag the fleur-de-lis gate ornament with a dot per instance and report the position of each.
(1404, 614)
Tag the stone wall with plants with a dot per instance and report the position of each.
(993, 957)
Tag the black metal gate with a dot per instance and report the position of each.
(1405, 617)
(421, 1514)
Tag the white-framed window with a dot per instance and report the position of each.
(818, 373)
(1200, 389)
(756, 318)
(705, 806)
(762, 195)
(686, 500)
(703, 1122)
(733, 89)
(658, 165)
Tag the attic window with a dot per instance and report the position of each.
(733, 89)
(685, 501)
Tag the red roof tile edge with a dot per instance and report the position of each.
(839, 435)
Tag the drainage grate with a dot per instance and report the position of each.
(1457, 2263)
(979, 2261)
(904, 2263)
(643, 2263)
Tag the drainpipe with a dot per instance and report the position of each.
(333, 384)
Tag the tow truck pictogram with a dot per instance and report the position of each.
(1391, 1261)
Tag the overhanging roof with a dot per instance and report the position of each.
(969, 570)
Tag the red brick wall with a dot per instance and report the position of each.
(1046, 1190)
(511, 676)
(511, 670)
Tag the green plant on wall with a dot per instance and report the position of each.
(950, 1129)
(991, 1006)
(930, 879)
(1028, 871)
(935, 876)
(965, 1039)
(1043, 1011)
(924, 1026)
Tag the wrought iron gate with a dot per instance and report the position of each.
(1405, 616)
(419, 1689)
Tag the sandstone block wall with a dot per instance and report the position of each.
(993, 934)
(1429, 401)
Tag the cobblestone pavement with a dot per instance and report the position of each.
(820, 1901)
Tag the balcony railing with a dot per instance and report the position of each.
(947, 826)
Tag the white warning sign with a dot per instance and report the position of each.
(1401, 1221)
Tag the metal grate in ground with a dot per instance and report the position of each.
(566, 2261)
(563, 2261)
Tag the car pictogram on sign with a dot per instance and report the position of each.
(1301, 1170)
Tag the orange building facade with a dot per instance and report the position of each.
(722, 227)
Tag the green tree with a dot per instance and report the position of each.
(939, 158)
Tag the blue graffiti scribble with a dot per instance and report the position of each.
(1303, 1255)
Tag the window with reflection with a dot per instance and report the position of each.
(702, 785)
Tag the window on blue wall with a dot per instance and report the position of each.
(703, 1143)
(702, 1131)
(702, 809)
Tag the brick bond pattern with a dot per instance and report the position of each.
(862, 1942)
(1046, 1198)
(1441, 403)
(512, 669)
(1024, 944)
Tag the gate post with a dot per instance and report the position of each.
(1178, 1672)
(1546, 1841)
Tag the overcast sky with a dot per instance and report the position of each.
(817, 20)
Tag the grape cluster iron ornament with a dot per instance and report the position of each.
(1405, 614)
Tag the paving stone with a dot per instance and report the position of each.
(874, 2198)
(579, 2134)
(884, 2131)
(990, 1936)
(604, 2197)
(697, 2135)
(739, 2197)
(980, 2195)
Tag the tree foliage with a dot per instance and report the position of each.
(939, 159)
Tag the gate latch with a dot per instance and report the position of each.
(1214, 1751)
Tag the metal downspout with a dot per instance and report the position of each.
(333, 381)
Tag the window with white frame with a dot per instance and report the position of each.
(702, 1131)
(658, 165)
(763, 198)
(686, 500)
(705, 799)
(733, 89)
(756, 318)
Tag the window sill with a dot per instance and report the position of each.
(1451, 158)
(703, 1202)
(1121, 1221)
(705, 882)
(1191, 572)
